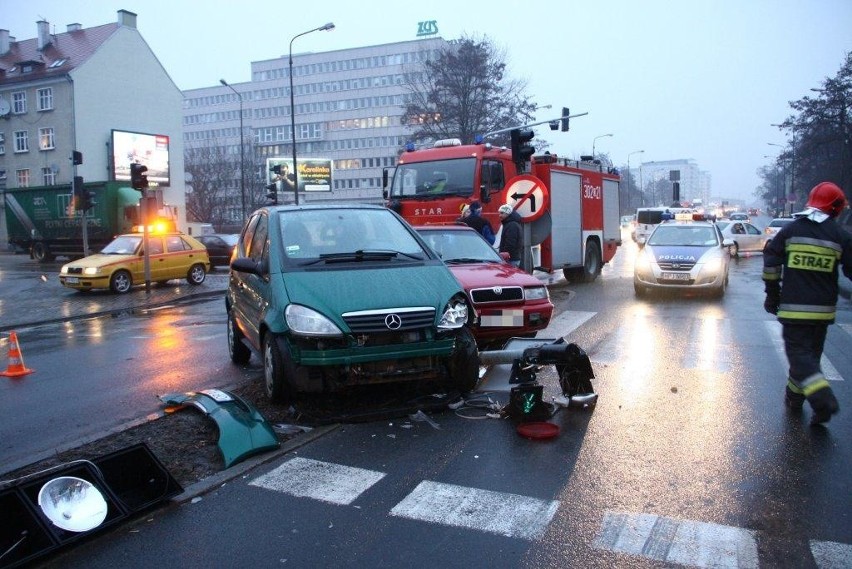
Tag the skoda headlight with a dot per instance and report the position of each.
(307, 322)
(91, 271)
(535, 293)
(455, 315)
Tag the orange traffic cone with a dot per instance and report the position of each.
(16, 366)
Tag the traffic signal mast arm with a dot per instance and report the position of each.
(562, 118)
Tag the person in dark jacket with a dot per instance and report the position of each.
(800, 270)
(475, 220)
(511, 240)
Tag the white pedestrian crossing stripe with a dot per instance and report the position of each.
(697, 544)
(325, 481)
(829, 554)
(510, 515)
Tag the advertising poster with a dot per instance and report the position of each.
(151, 150)
(314, 174)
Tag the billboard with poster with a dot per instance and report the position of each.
(151, 150)
(314, 174)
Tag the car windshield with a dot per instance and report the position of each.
(460, 246)
(123, 245)
(440, 178)
(346, 234)
(684, 235)
(230, 239)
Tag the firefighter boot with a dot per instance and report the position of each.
(824, 405)
(794, 397)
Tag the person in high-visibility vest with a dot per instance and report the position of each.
(800, 270)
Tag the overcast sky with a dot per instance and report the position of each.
(695, 79)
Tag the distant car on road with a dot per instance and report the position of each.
(220, 246)
(775, 226)
(508, 302)
(739, 216)
(121, 264)
(745, 237)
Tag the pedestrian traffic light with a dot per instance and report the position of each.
(566, 112)
(521, 150)
(76, 158)
(138, 179)
(272, 193)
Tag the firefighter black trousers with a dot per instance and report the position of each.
(804, 344)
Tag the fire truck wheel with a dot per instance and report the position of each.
(41, 253)
(464, 363)
(592, 264)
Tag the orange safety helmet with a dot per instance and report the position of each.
(828, 198)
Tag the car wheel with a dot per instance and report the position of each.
(464, 363)
(276, 366)
(120, 282)
(734, 250)
(196, 274)
(239, 352)
(592, 263)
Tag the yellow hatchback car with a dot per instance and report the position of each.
(121, 264)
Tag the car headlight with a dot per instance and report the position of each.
(535, 293)
(308, 322)
(91, 271)
(643, 263)
(713, 266)
(455, 315)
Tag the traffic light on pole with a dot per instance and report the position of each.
(521, 150)
(76, 157)
(566, 112)
(138, 179)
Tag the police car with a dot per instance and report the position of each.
(682, 255)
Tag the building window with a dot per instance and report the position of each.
(48, 176)
(21, 141)
(19, 102)
(23, 178)
(45, 139)
(45, 99)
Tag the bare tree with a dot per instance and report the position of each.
(212, 175)
(465, 92)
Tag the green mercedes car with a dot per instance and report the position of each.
(333, 296)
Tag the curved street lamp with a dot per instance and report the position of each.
(242, 154)
(628, 176)
(326, 27)
(594, 140)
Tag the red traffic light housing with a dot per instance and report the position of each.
(138, 179)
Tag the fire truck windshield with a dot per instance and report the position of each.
(437, 178)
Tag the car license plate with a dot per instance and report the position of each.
(72, 280)
(675, 276)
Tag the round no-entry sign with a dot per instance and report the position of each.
(528, 195)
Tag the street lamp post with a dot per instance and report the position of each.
(242, 153)
(629, 201)
(326, 27)
(595, 140)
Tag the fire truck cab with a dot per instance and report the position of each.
(569, 208)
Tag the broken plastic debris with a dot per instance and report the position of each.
(456, 404)
(562, 401)
(195, 500)
(287, 429)
(421, 416)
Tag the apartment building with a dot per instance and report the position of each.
(69, 91)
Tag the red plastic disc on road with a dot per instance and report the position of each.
(540, 430)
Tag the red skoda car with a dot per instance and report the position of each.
(508, 302)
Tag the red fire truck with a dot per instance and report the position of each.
(569, 208)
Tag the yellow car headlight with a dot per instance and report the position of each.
(91, 271)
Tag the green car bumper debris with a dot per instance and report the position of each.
(243, 431)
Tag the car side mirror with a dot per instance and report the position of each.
(246, 265)
(727, 243)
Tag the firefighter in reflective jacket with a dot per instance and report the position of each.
(800, 270)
